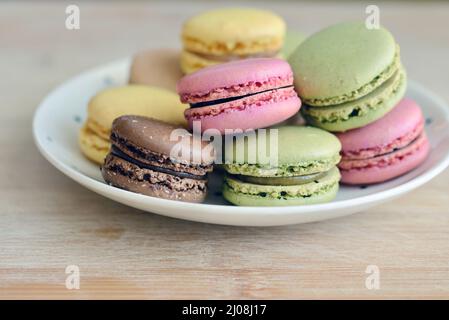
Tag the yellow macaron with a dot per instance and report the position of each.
(223, 35)
(114, 102)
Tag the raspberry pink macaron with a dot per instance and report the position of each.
(245, 94)
(386, 148)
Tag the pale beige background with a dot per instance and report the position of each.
(48, 221)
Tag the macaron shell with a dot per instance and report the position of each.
(156, 67)
(251, 200)
(341, 59)
(191, 62)
(296, 145)
(111, 103)
(261, 116)
(234, 74)
(247, 194)
(405, 118)
(160, 137)
(247, 113)
(234, 30)
(376, 174)
(93, 146)
(152, 183)
(142, 100)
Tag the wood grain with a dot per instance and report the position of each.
(47, 221)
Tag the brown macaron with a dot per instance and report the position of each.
(149, 157)
(157, 67)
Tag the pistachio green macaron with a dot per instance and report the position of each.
(348, 76)
(291, 165)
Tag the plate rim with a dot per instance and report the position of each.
(114, 193)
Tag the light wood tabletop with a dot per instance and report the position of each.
(48, 222)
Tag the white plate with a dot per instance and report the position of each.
(60, 116)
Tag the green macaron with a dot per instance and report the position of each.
(304, 170)
(348, 76)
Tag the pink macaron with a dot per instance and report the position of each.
(386, 148)
(243, 94)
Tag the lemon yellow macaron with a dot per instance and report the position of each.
(114, 102)
(223, 35)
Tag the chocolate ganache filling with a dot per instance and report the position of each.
(118, 153)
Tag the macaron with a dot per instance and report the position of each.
(244, 94)
(305, 171)
(111, 103)
(142, 160)
(156, 67)
(386, 148)
(348, 76)
(229, 34)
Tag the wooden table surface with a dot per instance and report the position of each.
(48, 221)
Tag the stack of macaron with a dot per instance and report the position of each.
(386, 148)
(303, 174)
(351, 80)
(348, 76)
(244, 94)
(241, 72)
(237, 97)
(142, 160)
(111, 103)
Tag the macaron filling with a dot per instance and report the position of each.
(358, 113)
(233, 57)
(396, 144)
(358, 108)
(127, 175)
(118, 153)
(224, 100)
(283, 170)
(237, 89)
(388, 158)
(257, 100)
(126, 149)
(328, 181)
(281, 181)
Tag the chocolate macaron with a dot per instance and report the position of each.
(144, 159)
